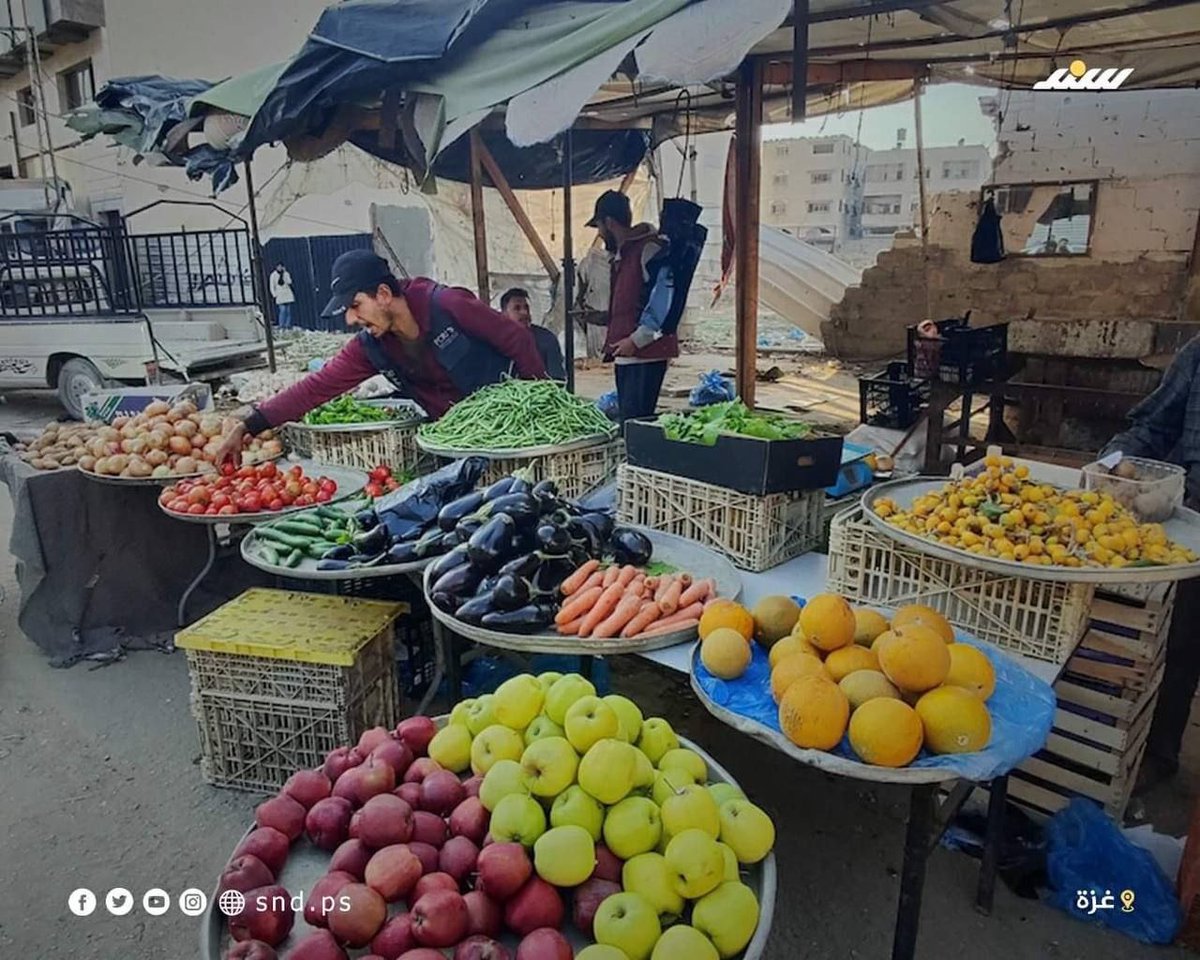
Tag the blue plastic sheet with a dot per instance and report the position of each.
(1088, 860)
(712, 388)
(607, 404)
(1022, 710)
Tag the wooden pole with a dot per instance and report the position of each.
(568, 264)
(799, 59)
(477, 220)
(1190, 308)
(748, 158)
(259, 284)
(500, 182)
(918, 88)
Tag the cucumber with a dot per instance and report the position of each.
(268, 553)
(301, 528)
(292, 541)
(332, 513)
(293, 558)
(317, 549)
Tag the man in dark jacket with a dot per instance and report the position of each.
(636, 341)
(514, 304)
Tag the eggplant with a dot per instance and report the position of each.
(375, 540)
(403, 553)
(520, 485)
(522, 507)
(452, 589)
(510, 593)
(601, 521)
(455, 510)
(331, 564)
(366, 519)
(630, 546)
(465, 528)
(550, 574)
(527, 619)
(448, 541)
(578, 555)
(498, 489)
(492, 544)
(367, 560)
(587, 537)
(430, 543)
(523, 566)
(545, 487)
(475, 609)
(553, 540)
(341, 552)
(443, 565)
(486, 585)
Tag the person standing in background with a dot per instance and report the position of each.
(592, 278)
(514, 304)
(283, 295)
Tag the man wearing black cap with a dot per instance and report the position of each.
(636, 342)
(435, 344)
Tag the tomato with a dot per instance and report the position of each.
(196, 509)
(372, 490)
(228, 510)
(296, 471)
(328, 485)
(245, 472)
(166, 496)
(275, 504)
(269, 493)
(391, 485)
(220, 500)
(228, 469)
(380, 474)
(210, 510)
(178, 505)
(286, 498)
(253, 503)
(311, 488)
(268, 470)
(304, 500)
(324, 496)
(198, 495)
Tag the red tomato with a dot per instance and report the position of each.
(228, 510)
(269, 492)
(275, 504)
(196, 509)
(198, 495)
(220, 500)
(391, 485)
(304, 500)
(178, 505)
(311, 488)
(328, 485)
(324, 496)
(296, 471)
(373, 490)
(210, 510)
(380, 474)
(286, 498)
(228, 469)
(252, 504)
(294, 488)
(246, 472)
(268, 470)
(166, 496)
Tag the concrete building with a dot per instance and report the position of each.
(810, 187)
(891, 191)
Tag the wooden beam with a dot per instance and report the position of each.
(748, 134)
(568, 263)
(477, 220)
(918, 88)
(800, 19)
(778, 71)
(500, 182)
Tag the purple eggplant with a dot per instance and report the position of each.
(492, 544)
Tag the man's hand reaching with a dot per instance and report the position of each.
(231, 443)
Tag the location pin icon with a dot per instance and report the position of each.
(1127, 901)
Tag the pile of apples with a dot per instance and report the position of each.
(573, 806)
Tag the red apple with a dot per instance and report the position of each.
(588, 897)
(608, 865)
(545, 944)
(393, 872)
(318, 945)
(395, 937)
(470, 819)
(282, 812)
(245, 873)
(251, 950)
(339, 761)
(484, 914)
(352, 857)
(439, 919)
(358, 916)
(429, 828)
(427, 854)
(537, 904)
(457, 858)
(503, 869)
(306, 787)
(482, 948)
(383, 820)
(431, 882)
(420, 769)
(423, 953)
(328, 822)
(267, 916)
(374, 777)
(416, 732)
(410, 793)
(396, 755)
(323, 897)
(372, 738)
(269, 845)
(441, 792)
(471, 786)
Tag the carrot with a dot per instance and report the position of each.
(604, 606)
(570, 629)
(646, 615)
(670, 600)
(610, 575)
(579, 604)
(664, 583)
(595, 580)
(664, 627)
(695, 593)
(625, 577)
(626, 610)
(686, 579)
(684, 613)
(652, 583)
(579, 577)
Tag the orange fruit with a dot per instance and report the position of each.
(793, 643)
(955, 720)
(970, 668)
(726, 613)
(813, 713)
(725, 653)
(868, 624)
(828, 622)
(880, 640)
(790, 669)
(916, 659)
(917, 613)
(886, 732)
(841, 663)
(774, 619)
(863, 685)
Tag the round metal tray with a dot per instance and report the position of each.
(349, 482)
(677, 551)
(507, 454)
(1183, 528)
(158, 481)
(413, 415)
(307, 568)
(306, 865)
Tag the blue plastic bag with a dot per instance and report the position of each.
(712, 388)
(607, 404)
(1096, 874)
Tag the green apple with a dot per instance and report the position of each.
(626, 921)
(482, 714)
(541, 728)
(518, 819)
(518, 700)
(696, 862)
(632, 826)
(728, 916)
(682, 942)
(451, 747)
(548, 679)
(746, 829)
(506, 777)
(663, 842)
(607, 770)
(647, 874)
(549, 766)
(644, 774)
(564, 692)
(656, 738)
(588, 720)
(724, 791)
(666, 782)
(493, 744)
(601, 951)
(459, 714)
(688, 760)
(564, 856)
(691, 807)
(732, 870)
(574, 807)
(630, 716)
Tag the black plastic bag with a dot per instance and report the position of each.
(416, 504)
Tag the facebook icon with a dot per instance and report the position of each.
(81, 902)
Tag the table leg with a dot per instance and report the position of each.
(912, 871)
(453, 664)
(998, 796)
(208, 565)
(586, 664)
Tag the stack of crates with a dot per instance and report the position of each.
(279, 678)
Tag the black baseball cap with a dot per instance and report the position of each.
(611, 203)
(354, 272)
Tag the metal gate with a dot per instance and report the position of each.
(309, 260)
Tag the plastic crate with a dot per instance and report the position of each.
(755, 533)
(362, 449)
(278, 679)
(1034, 618)
(575, 471)
(892, 398)
(960, 353)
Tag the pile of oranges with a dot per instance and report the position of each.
(1003, 513)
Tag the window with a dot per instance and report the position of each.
(26, 112)
(76, 86)
(960, 169)
(780, 179)
(781, 150)
(818, 206)
(778, 207)
(820, 176)
(822, 148)
(881, 206)
(899, 171)
(1054, 219)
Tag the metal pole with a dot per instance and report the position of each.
(800, 18)
(918, 88)
(568, 265)
(748, 144)
(259, 278)
(477, 220)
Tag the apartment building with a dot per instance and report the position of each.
(810, 187)
(891, 192)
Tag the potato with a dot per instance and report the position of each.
(87, 462)
(186, 428)
(120, 423)
(181, 445)
(174, 416)
(156, 456)
(128, 433)
(157, 408)
(211, 426)
(138, 445)
(198, 441)
(186, 465)
(272, 449)
(102, 466)
(185, 409)
(162, 470)
(117, 463)
(108, 434)
(140, 469)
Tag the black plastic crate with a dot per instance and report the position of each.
(892, 398)
(959, 353)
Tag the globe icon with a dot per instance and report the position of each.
(231, 902)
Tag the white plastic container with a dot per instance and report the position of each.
(1151, 496)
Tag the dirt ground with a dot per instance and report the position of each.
(100, 787)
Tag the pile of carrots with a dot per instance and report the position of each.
(624, 602)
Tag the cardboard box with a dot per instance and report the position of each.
(104, 406)
(746, 464)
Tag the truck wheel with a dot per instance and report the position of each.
(76, 378)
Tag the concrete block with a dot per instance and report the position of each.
(1169, 337)
(1082, 338)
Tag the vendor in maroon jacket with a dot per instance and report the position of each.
(435, 344)
(636, 343)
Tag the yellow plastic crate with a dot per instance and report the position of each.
(283, 625)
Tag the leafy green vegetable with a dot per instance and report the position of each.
(656, 568)
(345, 409)
(704, 425)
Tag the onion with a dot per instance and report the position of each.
(181, 445)
(186, 428)
(186, 465)
(155, 457)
